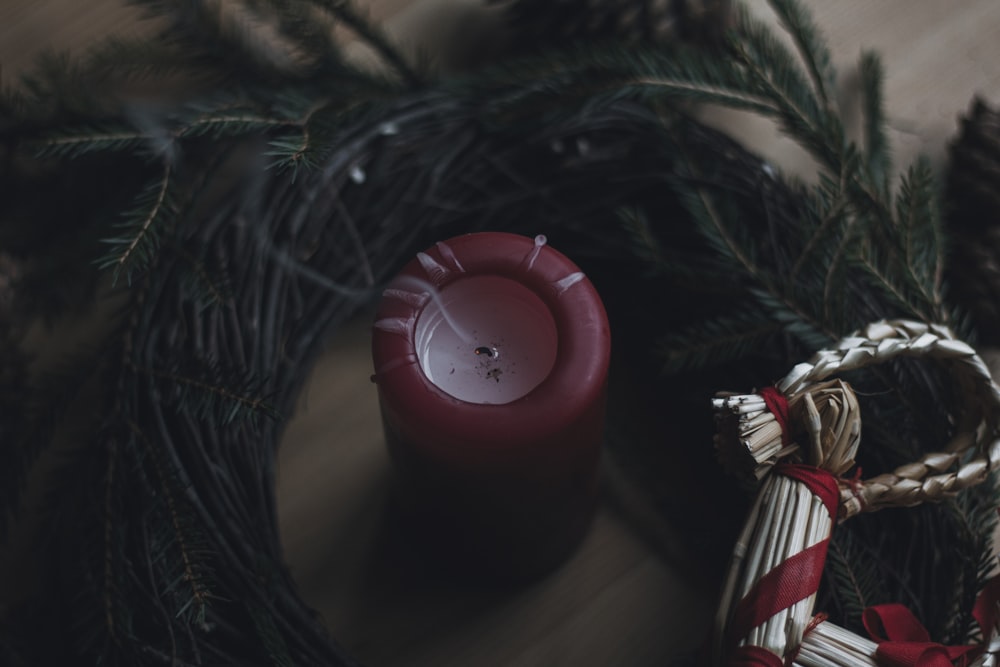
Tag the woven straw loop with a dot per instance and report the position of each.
(974, 447)
(824, 416)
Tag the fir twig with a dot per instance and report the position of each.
(144, 226)
(810, 45)
(97, 139)
(218, 396)
(198, 595)
(345, 12)
(921, 238)
(854, 579)
(875, 141)
(718, 341)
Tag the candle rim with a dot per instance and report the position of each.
(582, 355)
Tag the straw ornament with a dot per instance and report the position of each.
(800, 438)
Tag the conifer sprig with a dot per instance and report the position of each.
(810, 45)
(184, 572)
(216, 394)
(876, 145)
(142, 229)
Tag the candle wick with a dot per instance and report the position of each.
(435, 295)
(490, 352)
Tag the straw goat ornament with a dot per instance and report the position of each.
(765, 614)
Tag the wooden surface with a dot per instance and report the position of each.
(615, 602)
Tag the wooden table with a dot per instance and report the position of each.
(615, 602)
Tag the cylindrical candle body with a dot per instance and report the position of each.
(491, 354)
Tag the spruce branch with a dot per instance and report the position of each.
(773, 72)
(277, 648)
(207, 288)
(216, 394)
(922, 252)
(224, 35)
(144, 226)
(718, 341)
(876, 143)
(810, 45)
(975, 518)
(299, 23)
(852, 577)
(833, 214)
(229, 122)
(644, 242)
(91, 140)
(195, 600)
(345, 12)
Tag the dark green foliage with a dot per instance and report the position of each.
(141, 230)
(719, 341)
(853, 579)
(875, 143)
(261, 213)
(211, 392)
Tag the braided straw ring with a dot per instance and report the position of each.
(974, 447)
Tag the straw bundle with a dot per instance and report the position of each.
(787, 519)
(750, 438)
(816, 421)
(829, 645)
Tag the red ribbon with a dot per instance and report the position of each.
(794, 579)
(777, 404)
(904, 642)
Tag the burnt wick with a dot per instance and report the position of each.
(490, 352)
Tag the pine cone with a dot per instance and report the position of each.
(560, 23)
(973, 218)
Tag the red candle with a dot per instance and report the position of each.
(491, 355)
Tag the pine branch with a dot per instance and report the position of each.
(135, 250)
(345, 12)
(190, 576)
(300, 24)
(222, 34)
(294, 152)
(852, 578)
(230, 122)
(810, 45)
(215, 394)
(770, 291)
(643, 241)
(207, 288)
(271, 637)
(922, 252)
(876, 143)
(902, 297)
(974, 513)
(771, 68)
(89, 140)
(718, 341)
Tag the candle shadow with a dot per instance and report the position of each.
(416, 584)
(424, 549)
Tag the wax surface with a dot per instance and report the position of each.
(486, 339)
